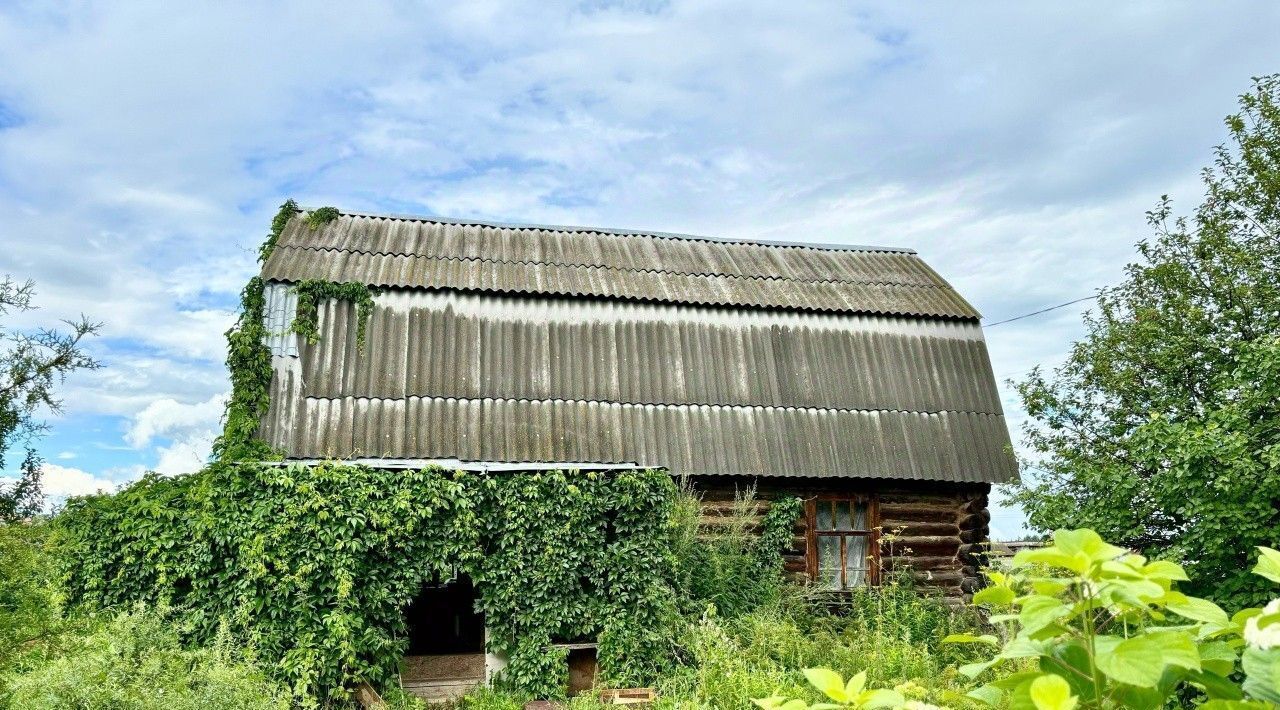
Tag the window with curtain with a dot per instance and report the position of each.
(842, 552)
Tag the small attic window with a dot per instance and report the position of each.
(280, 307)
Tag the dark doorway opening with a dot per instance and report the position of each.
(442, 620)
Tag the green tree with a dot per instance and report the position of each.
(1162, 428)
(32, 364)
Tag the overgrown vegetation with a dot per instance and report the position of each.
(136, 660)
(249, 358)
(311, 292)
(1161, 430)
(1091, 625)
(735, 566)
(312, 565)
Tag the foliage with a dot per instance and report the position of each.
(278, 223)
(312, 565)
(733, 565)
(892, 633)
(1107, 628)
(249, 365)
(32, 364)
(136, 661)
(29, 605)
(311, 292)
(1162, 429)
(1091, 625)
(322, 216)
(853, 694)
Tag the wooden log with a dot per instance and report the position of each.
(923, 545)
(921, 512)
(975, 504)
(973, 536)
(949, 578)
(951, 501)
(979, 519)
(923, 563)
(755, 507)
(907, 527)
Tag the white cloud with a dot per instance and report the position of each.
(60, 482)
(171, 419)
(1014, 145)
(66, 455)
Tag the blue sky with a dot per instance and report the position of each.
(145, 146)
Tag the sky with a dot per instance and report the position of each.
(144, 148)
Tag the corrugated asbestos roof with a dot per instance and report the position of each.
(500, 377)
(570, 261)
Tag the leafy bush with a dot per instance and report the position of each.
(736, 564)
(29, 605)
(136, 661)
(892, 633)
(1094, 626)
(313, 565)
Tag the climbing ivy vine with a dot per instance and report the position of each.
(306, 321)
(314, 564)
(249, 358)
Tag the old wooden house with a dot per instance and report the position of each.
(855, 377)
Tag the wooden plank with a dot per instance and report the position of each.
(368, 697)
(455, 666)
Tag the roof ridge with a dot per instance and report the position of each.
(525, 262)
(624, 232)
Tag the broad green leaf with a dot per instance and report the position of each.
(1051, 692)
(1262, 673)
(1088, 542)
(998, 596)
(1218, 657)
(973, 670)
(970, 638)
(986, 694)
(828, 682)
(1235, 705)
(1039, 611)
(1177, 648)
(1268, 564)
(880, 698)
(1216, 686)
(1021, 647)
(1013, 680)
(1164, 569)
(1197, 609)
(855, 684)
(1137, 661)
(1052, 557)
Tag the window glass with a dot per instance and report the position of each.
(841, 554)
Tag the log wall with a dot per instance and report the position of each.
(936, 532)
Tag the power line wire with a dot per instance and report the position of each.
(1042, 310)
